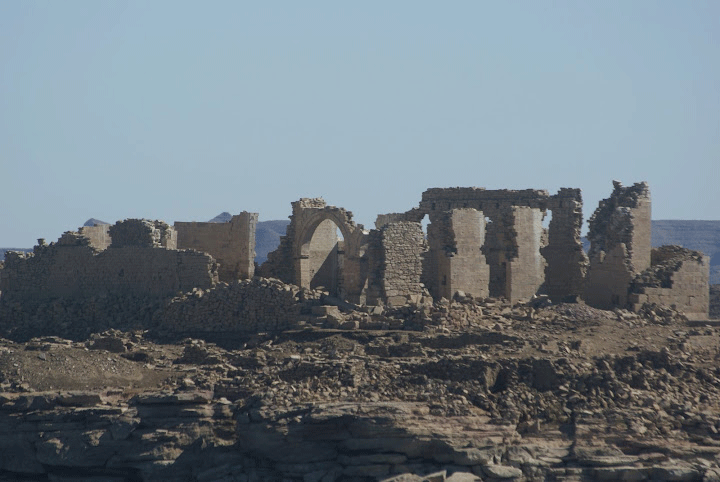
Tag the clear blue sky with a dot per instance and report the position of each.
(179, 110)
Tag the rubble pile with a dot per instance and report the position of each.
(666, 261)
(463, 389)
(246, 306)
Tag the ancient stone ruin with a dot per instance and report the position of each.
(468, 350)
(479, 243)
(487, 243)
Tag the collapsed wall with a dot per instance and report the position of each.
(70, 281)
(232, 244)
(677, 278)
(566, 261)
(247, 306)
(135, 263)
(619, 235)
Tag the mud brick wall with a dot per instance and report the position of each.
(232, 244)
(678, 278)
(373, 292)
(620, 247)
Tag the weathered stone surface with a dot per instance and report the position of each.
(502, 472)
(231, 244)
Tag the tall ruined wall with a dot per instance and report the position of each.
(511, 232)
(678, 277)
(566, 261)
(525, 271)
(619, 237)
(232, 244)
(456, 240)
(98, 236)
(402, 249)
(72, 268)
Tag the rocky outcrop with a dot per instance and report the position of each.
(485, 391)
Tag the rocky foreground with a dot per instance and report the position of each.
(479, 390)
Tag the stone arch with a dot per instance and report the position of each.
(307, 230)
(309, 215)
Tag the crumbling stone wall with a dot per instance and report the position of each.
(566, 261)
(142, 233)
(678, 278)
(415, 215)
(231, 244)
(619, 235)
(71, 267)
(399, 262)
(514, 229)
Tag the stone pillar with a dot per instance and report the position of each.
(403, 247)
(461, 265)
(525, 272)
(564, 255)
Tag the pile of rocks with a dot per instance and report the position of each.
(247, 306)
(462, 389)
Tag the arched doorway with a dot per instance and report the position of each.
(321, 253)
(322, 268)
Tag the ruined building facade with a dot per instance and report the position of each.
(492, 243)
(478, 242)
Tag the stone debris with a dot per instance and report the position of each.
(478, 389)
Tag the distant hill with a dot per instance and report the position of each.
(267, 237)
(94, 222)
(267, 234)
(221, 218)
